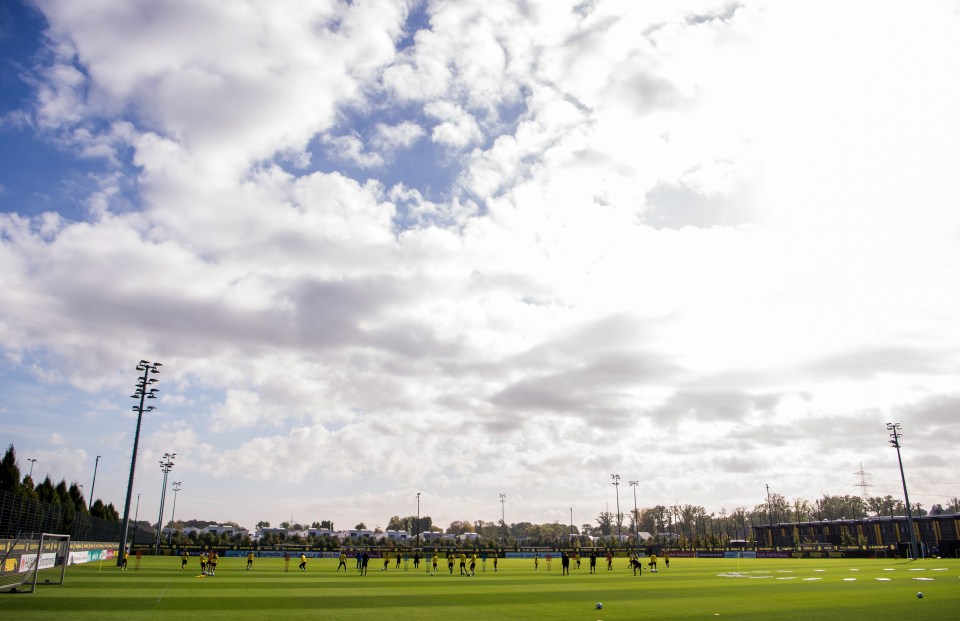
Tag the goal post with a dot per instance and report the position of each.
(35, 559)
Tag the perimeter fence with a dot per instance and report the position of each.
(22, 514)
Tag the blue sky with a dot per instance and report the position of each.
(473, 248)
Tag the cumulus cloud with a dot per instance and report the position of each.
(670, 230)
(400, 136)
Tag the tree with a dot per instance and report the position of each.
(604, 524)
(262, 524)
(9, 472)
(28, 489)
(361, 526)
(458, 527)
(46, 492)
(106, 512)
(953, 505)
(77, 497)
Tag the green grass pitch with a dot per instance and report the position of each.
(766, 589)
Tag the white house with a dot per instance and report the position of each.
(354, 534)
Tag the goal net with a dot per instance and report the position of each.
(33, 560)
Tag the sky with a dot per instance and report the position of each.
(470, 248)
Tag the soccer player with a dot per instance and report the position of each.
(126, 559)
(399, 558)
(416, 560)
(536, 562)
(203, 564)
(593, 562)
(549, 562)
(249, 560)
(473, 564)
(576, 557)
(386, 561)
(653, 562)
(463, 563)
(436, 560)
(450, 562)
(303, 562)
(212, 559)
(666, 559)
(364, 561)
(183, 559)
(343, 562)
(609, 561)
(564, 563)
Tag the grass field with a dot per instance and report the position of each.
(839, 589)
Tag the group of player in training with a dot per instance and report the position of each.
(467, 564)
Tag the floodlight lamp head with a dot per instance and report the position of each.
(143, 363)
(149, 408)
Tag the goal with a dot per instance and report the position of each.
(35, 559)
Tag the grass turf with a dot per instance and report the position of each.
(824, 589)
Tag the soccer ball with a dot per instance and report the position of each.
(919, 595)
(599, 605)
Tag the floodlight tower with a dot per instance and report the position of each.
(636, 516)
(142, 392)
(166, 465)
(175, 486)
(616, 484)
(503, 520)
(92, 485)
(895, 442)
(418, 520)
(32, 461)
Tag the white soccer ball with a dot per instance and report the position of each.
(599, 605)
(919, 595)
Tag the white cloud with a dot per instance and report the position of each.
(351, 149)
(667, 217)
(400, 136)
(456, 128)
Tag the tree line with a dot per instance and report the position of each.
(68, 497)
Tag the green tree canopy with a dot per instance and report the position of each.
(9, 472)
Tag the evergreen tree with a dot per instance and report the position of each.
(77, 497)
(47, 493)
(110, 513)
(9, 472)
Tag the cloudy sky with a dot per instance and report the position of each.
(472, 247)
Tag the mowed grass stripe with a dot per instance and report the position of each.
(689, 590)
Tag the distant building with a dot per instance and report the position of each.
(938, 535)
(353, 534)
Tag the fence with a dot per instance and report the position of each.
(22, 514)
